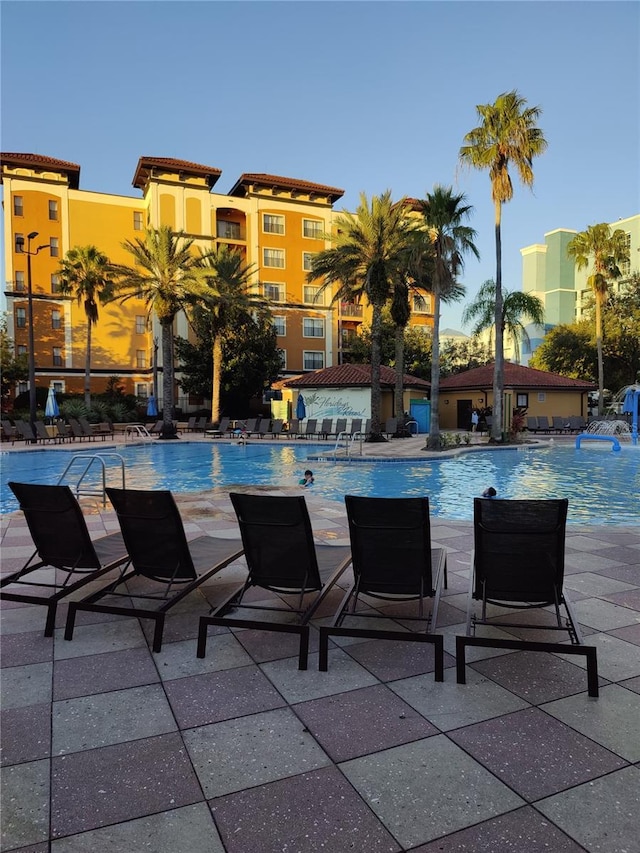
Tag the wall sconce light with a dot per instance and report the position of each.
(480, 399)
(446, 402)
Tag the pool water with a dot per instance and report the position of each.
(602, 487)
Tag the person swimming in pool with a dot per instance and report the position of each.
(307, 480)
(489, 493)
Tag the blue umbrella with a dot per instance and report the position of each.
(627, 406)
(301, 409)
(152, 407)
(51, 409)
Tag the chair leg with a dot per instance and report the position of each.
(323, 656)
(203, 626)
(303, 656)
(50, 623)
(158, 631)
(71, 621)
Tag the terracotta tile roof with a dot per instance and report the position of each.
(43, 164)
(145, 164)
(351, 376)
(239, 188)
(515, 376)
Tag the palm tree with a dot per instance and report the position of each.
(165, 275)
(606, 251)
(226, 299)
(443, 213)
(85, 273)
(515, 306)
(400, 314)
(507, 134)
(368, 255)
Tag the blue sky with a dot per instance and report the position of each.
(366, 96)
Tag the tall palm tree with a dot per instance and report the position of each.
(165, 275)
(515, 306)
(368, 254)
(227, 297)
(507, 134)
(443, 214)
(86, 274)
(605, 250)
(400, 314)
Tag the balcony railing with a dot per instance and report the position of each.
(350, 309)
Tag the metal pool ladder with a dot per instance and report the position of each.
(91, 462)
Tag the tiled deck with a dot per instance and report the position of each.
(108, 747)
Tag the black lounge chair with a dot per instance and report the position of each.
(393, 561)
(390, 427)
(42, 433)
(8, 432)
(276, 428)
(532, 423)
(355, 427)
(293, 428)
(282, 558)
(158, 552)
(25, 431)
(63, 544)
(310, 429)
(220, 430)
(518, 564)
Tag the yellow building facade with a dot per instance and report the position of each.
(277, 223)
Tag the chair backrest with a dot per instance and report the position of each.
(223, 426)
(191, 423)
(367, 426)
(201, 423)
(356, 425)
(76, 429)
(294, 426)
(153, 534)
(25, 430)
(7, 429)
(390, 545)
(263, 426)
(325, 429)
(57, 526)
(543, 422)
(532, 423)
(62, 429)
(276, 426)
(311, 426)
(86, 426)
(250, 425)
(559, 422)
(157, 427)
(519, 549)
(391, 426)
(41, 430)
(278, 541)
(341, 426)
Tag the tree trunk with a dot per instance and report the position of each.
(168, 430)
(398, 396)
(217, 373)
(598, 304)
(376, 394)
(87, 369)
(498, 372)
(433, 441)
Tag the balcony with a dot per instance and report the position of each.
(350, 309)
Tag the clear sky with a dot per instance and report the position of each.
(366, 96)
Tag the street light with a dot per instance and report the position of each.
(32, 355)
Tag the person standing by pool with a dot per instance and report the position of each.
(474, 420)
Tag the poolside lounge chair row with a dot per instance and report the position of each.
(558, 425)
(308, 428)
(518, 562)
(79, 429)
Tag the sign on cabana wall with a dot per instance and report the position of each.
(338, 403)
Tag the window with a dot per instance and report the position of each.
(283, 358)
(522, 401)
(54, 247)
(19, 243)
(137, 221)
(21, 318)
(312, 328)
(542, 397)
(56, 319)
(421, 303)
(19, 280)
(58, 387)
(228, 230)
(142, 390)
(57, 356)
(312, 295)
(22, 350)
(625, 266)
(312, 228)
(141, 358)
(22, 387)
(273, 258)
(18, 205)
(274, 292)
(53, 209)
(312, 360)
(55, 283)
(280, 325)
(272, 223)
(141, 324)
(307, 260)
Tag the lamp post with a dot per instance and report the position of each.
(32, 355)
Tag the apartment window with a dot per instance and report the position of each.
(21, 318)
(312, 360)
(55, 283)
(18, 205)
(56, 319)
(138, 224)
(141, 324)
(228, 230)
(22, 387)
(22, 350)
(58, 387)
(57, 356)
(53, 209)
(141, 358)
(307, 261)
(280, 325)
(542, 397)
(274, 292)
(312, 295)
(283, 358)
(420, 303)
(54, 247)
(19, 280)
(522, 401)
(312, 228)
(312, 328)
(142, 390)
(273, 258)
(19, 243)
(272, 223)
(625, 266)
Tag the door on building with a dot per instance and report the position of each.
(464, 414)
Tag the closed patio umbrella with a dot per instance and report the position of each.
(51, 409)
(152, 407)
(301, 409)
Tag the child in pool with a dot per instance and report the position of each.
(307, 480)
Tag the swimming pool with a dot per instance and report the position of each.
(602, 487)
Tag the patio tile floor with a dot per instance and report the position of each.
(107, 746)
